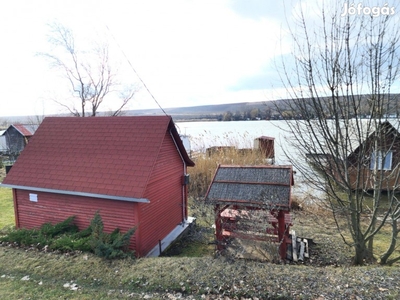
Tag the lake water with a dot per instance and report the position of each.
(242, 134)
(236, 133)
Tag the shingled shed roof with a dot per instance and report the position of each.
(106, 157)
(266, 186)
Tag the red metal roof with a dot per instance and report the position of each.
(26, 130)
(100, 155)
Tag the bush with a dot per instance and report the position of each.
(109, 245)
(25, 237)
(66, 226)
(68, 243)
(65, 237)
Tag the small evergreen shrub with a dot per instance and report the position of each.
(24, 237)
(66, 226)
(67, 243)
(109, 245)
(65, 237)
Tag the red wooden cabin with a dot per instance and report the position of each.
(130, 169)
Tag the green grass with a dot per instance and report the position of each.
(7, 217)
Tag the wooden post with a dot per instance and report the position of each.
(218, 227)
(294, 246)
(281, 234)
(302, 247)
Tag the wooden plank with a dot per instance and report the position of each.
(294, 246)
(301, 254)
(306, 253)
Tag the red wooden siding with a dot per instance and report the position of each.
(125, 157)
(165, 192)
(55, 208)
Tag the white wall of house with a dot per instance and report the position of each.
(3, 143)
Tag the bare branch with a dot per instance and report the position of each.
(90, 76)
(340, 82)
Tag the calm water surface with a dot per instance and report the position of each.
(238, 133)
(242, 134)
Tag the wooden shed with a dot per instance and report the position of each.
(242, 191)
(17, 137)
(266, 145)
(130, 169)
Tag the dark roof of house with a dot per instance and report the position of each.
(391, 127)
(100, 156)
(26, 130)
(355, 132)
(266, 186)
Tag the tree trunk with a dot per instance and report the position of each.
(385, 256)
(362, 254)
(362, 251)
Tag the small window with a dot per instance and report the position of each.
(383, 160)
(33, 197)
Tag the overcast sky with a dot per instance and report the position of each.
(187, 52)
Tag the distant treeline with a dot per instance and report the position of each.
(287, 109)
(250, 114)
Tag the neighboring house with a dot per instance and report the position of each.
(380, 161)
(132, 170)
(17, 137)
(382, 156)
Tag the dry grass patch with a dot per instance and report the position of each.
(183, 277)
(233, 151)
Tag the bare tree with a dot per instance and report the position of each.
(35, 120)
(341, 82)
(91, 77)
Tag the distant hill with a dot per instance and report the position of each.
(231, 111)
(211, 112)
(202, 111)
(270, 110)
